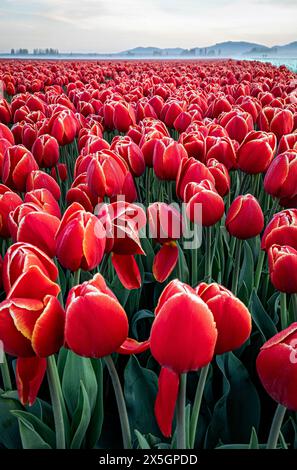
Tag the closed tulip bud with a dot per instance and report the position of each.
(281, 230)
(96, 323)
(256, 152)
(282, 262)
(63, 126)
(232, 318)
(277, 367)
(277, 120)
(5, 112)
(62, 172)
(8, 202)
(45, 200)
(80, 239)
(221, 176)
(17, 165)
(287, 142)
(20, 258)
(182, 121)
(280, 179)
(245, 217)
(80, 192)
(40, 180)
(167, 157)
(212, 204)
(222, 149)
(131, 153)
(46, 151)
(237, 123)
(183, 338)
(191, 170)
(123, 116)
(193, 143)
(170, 111)
(4, 145)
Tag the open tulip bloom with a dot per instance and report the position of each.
(148, 224)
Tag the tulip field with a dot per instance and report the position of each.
(148, 263)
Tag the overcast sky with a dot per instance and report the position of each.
(115, 25)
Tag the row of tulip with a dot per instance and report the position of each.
(107, 170)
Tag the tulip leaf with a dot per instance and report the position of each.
(254, 443)
(238, 410)
(261, 318)
(96, 422)
(78, 369)
(9, 429)
(81, 418)
(140, 392)
(247, 268)
(142, 442)
(140, 315)
(34, 433)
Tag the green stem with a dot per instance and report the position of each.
(76, 279)
(181, 413)
(294, 301)
(5, 374)
(197, 404)
(283, 310)
(259, 269)
(276, 427)
(236, 271)
(208, 257)
(56, 394)
(120, 402)
(194, 266)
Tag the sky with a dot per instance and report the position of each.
(116, 25)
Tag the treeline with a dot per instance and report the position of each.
(47, 51)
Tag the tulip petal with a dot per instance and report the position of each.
(29, 376)
(48, 334)
(127, 270)
(165, 261)
(166, 400)
(33, 284)
(131, 346)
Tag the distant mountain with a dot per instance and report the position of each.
(223, 49)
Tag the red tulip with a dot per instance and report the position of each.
(281, 230)
(41, 180)
(20, 257)
(30, 327)
(46, 151)
(193, 143)
(237, 123)
(282, 262)
(165, 224)
(63, 126)
(96, 323)
(191, 170)
(183, 339)
(277, 367)
(30, 372)
(124, 116)
(287, 142)
(8, 202)
(256, 152)
(5, 112)
(222, 149)
(62, 172)
(131, 153)
(221, 176)
(232, 318)
(212, 204)
(167, 157)
(5, 133)
(276, 120)
(18, 163)
(280, 179)
(245, 217)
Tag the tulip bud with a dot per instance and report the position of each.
(46, 151)
(280, 179)
(281, 230)
(17, 165)
(245, 217)
(281, 261)
(256, 152)
(211, 202)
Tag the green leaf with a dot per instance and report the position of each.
(182, 263)
(140, 315)
(254, 443)
(96, 422)
(78, 369)
(140, 392)
(247, 268)
(9, 429)
(142, 442)
(261, 318)
(34, 433)
(81, 418)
